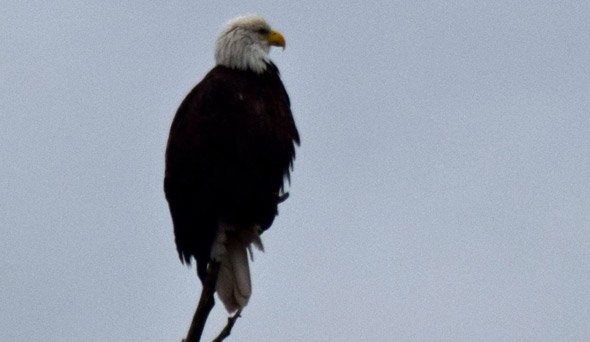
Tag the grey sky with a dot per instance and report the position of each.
(441, 192)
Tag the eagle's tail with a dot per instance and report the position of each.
(231, 251)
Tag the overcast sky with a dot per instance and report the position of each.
(441, 192)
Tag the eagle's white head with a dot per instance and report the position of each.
(245, 42)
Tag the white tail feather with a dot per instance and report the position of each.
(231, 248)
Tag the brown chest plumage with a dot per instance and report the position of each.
(231, 147)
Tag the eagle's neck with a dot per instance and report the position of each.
(237, 50)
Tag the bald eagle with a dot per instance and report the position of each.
(231, 148)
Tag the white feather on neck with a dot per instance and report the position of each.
(238, 48)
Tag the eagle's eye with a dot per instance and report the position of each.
(263, 31)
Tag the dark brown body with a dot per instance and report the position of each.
(231, 147)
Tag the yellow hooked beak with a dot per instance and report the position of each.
(276, 38)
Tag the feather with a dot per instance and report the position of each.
(231, 247)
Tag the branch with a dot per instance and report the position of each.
(227, 330)
(206, 303)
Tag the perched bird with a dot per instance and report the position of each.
(230, 150)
